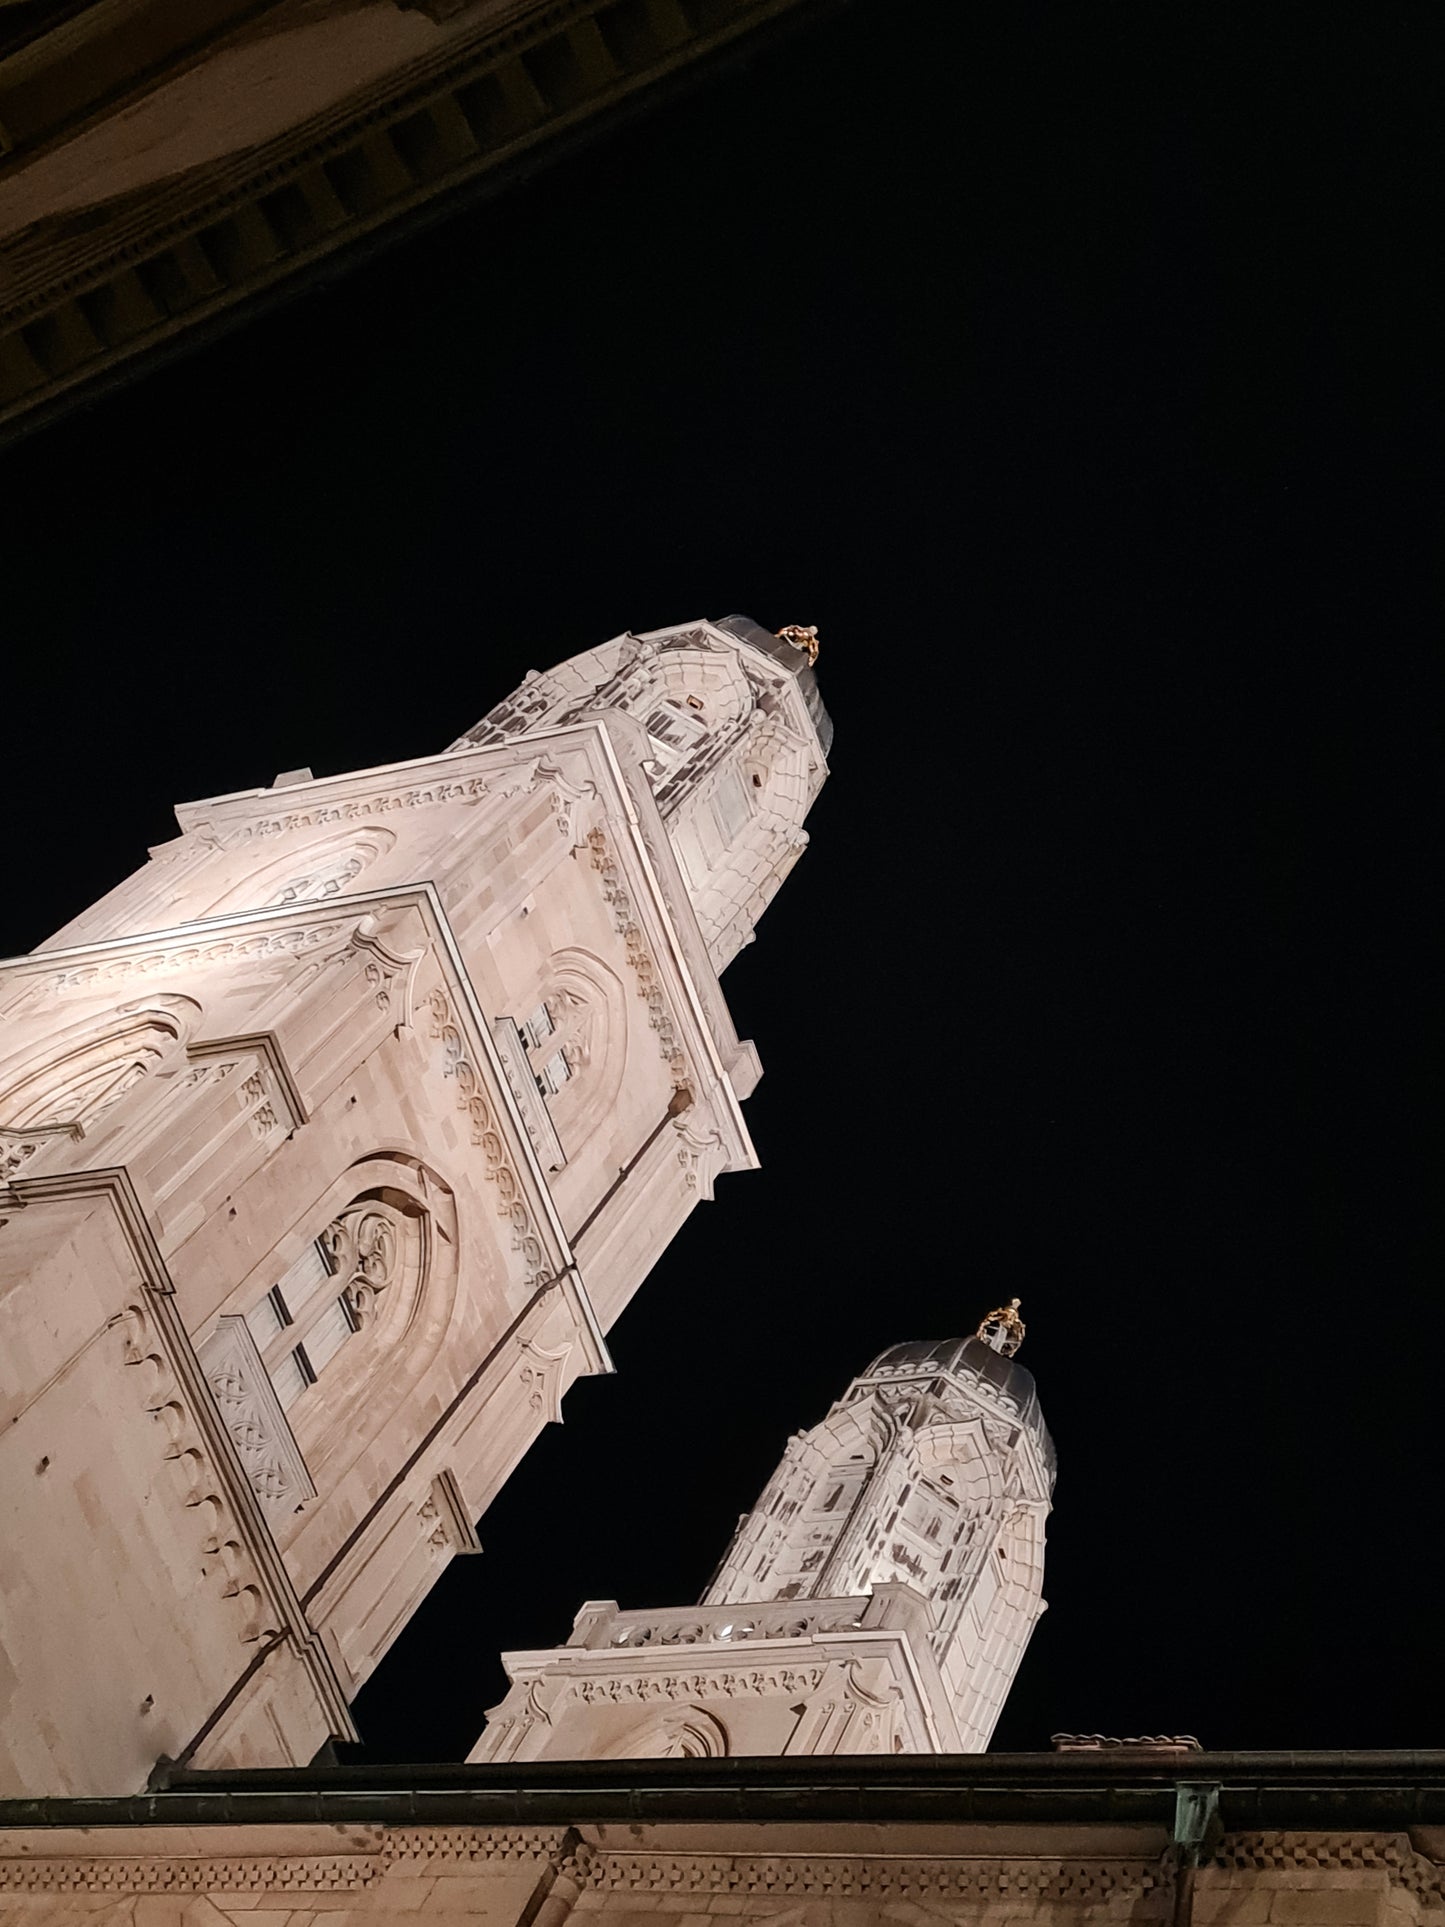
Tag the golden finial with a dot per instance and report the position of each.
(802, 637)
(1003, 1329)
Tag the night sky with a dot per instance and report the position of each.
(1055, 361)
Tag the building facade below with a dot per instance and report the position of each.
(1164, 1836)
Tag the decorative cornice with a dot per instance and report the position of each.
(155, 952)
(839, 1876)
(1282, 1852)
(1030, 1880)
(231, 1873)
(354, 809)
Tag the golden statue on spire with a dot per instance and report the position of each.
(1003, 1330)
(804, 637)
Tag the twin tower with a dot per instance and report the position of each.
(332, 1144)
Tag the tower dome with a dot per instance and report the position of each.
(990, 1377)
(723, 724)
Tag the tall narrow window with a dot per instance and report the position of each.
(553, 1074)
(554, 1036)
(537, 1026)
(301, 1324)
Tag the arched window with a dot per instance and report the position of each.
(87, 1069)
(678, 1733)
(575, 1042)
(301, 1324)
(323, 1351)
(329, 1292)
(557, 1038)
(328, 866)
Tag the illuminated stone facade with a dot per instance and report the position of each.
(877, 1599)
(331, 1144)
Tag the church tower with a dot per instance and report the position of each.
(877, 1598)
(332, 1143)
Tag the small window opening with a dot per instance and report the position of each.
(538, 1026)
(299, 1326)
(675, 729)
(553, 1074)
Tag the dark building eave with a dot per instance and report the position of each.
(200, 254)
(1320, 1791)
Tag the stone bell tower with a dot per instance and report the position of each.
(332, 1143)
(877, 1598)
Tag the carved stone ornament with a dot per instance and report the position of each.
(614, 890)
(253, 947)
(364, 1245)
(752, 1683)
(254, 1418)
(487, 1134)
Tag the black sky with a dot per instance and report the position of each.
(1053, 359)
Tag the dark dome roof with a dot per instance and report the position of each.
(923, 1356)
(793, 660)
(969, 1359)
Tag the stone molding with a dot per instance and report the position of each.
(487, 1135)
(1031, 1880)
(1284, 1852)
(470, 789)
(614, 891)
(185, 954)
(720, 1682)
(133, 1874)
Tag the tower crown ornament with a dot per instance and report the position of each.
(1003, 1330)
(803, 636)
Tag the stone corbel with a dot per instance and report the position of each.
(446, 1517)
(540, 1376)
(566, 798)
(700, 1154)
(390, 970)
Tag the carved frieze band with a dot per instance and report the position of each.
(486, 1133)
(843, 1876)
(735, 1683)
(638, 956)
(251, 948)
(779, 1875)
(380, 803)
(333, 1873)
